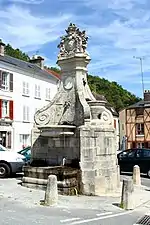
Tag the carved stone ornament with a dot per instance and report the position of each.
(75, 41)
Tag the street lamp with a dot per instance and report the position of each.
(141, 65)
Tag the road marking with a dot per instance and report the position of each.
(104, 214)
(69, 220)
(100, 218)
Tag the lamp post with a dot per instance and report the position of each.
(141, 66)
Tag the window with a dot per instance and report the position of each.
(139, 129)
(26, 113)
(37, 91)
(127, 154)
(48, 93)
(139, 153)
(5, 80)
(5, 108)
(25, 140)
(25, 88)
(122, 126)
(140, 145)
(146, 153)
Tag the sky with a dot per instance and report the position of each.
(118, 30)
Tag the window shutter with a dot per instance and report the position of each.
(115, 124)
(24, 113)
(27, 86)
(0, 78)
(27, 113)
(11, 110)
(35, 90)
(11, 82)
(9, 140)
(0, 108)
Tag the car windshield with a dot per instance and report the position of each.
(2, 148)
(25, 151)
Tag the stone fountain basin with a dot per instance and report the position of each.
(57, 130)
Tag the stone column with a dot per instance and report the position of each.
(136, 175)
(51, 194)
(127, 195)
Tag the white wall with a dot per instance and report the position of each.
(18, 126)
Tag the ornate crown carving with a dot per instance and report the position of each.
(75, 41)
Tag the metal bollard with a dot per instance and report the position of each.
(127, 194)
(51, 193)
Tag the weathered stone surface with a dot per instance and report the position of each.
(51, 193)
(118, 176)
(127, 195)
(136, 175)
(74, 125)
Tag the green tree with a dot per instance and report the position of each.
(16, 53)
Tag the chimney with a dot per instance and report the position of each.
(37, 60)
(147, 95)
(2, 48)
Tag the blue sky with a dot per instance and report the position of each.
(117, 30)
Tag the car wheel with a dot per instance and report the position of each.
(4, 170)
(148, 173)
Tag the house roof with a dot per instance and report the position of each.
(139, 104)
(53, 72)
(108, 105)
(29, 67)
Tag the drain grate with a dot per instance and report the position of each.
(145, 220)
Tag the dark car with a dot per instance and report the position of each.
(129, 158)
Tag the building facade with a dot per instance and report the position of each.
(24, 88)
(135, 124)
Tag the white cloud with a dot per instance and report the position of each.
(28, 1)
(24, 30)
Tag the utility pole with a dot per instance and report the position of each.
(141, 66)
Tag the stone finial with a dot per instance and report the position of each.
(75, 41)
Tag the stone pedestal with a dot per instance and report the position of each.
(98, 160)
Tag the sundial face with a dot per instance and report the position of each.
(69, 45)
(68, 83)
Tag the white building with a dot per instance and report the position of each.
(24, 88)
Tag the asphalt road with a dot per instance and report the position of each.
(13, 213)
(144, 180)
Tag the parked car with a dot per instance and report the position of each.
(129, 158)
(26, 152)
(10, 162)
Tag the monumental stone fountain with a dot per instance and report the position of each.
(74, 134)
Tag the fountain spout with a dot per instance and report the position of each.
(64, 161)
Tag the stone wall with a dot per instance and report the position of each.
(98, 160)
(54, 149)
